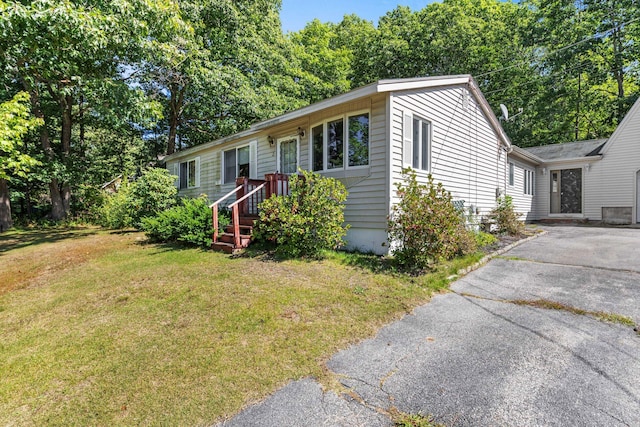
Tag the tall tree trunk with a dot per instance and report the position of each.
(5, 207)
(175, 111)
(57, 207)
(65, 138)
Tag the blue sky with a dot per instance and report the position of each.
(296, 13)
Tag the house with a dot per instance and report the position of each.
(364, 138)
(595, 180)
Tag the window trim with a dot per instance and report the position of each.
(279, 161)
(345, 143)
(196, 172)
(408, 118)
(528, 182)
(252, 145)
(512, 174)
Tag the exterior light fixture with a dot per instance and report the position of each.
(271, 141)
(300, 132)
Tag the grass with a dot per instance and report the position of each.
(600, 315)
(101, 328)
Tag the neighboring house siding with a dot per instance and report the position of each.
(523, 203)
(466, 155)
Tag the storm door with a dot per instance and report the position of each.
(566, 191)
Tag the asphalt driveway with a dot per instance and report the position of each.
(479, 356)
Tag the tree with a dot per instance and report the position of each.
(326, 64)
(15, 122)
(64, 54)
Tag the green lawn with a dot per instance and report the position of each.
(101, 328)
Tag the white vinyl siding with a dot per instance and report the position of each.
(523, 203)
(465, 153)
(611, 182)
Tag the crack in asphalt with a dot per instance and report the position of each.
(591, 267)
(603, 374)
(547, 304)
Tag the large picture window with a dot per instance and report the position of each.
(188, 174)
(237, 163)
(341, 143)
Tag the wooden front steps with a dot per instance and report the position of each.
(249, 193)
(226, 240)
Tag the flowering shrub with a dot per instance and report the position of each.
(425, 226)
(308, 220)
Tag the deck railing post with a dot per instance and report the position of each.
(214, 222)
(236, 226)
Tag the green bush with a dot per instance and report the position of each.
(307, 221)
(484, 239)
(115, 212)
(152, 193)
(188, 223)
(425, 226)
(506, 218)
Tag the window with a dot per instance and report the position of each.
(335, 144)
(238, 162)
(511, 174)
(420, 143)
(329, 145)
(189, 174)
(359, 140)
(317, 142)
(288, 155)
(528, 182)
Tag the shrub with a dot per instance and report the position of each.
(115, 211)
(424, 226)
(189, 223)
(308, 220)
(484, 239)
(152, 193)
(506, 218)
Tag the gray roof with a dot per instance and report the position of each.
(568, 150)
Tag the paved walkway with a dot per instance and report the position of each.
(480, 356)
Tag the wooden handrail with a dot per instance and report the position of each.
(226, 196)
(214, 212)
(246, 196)
(235, 215)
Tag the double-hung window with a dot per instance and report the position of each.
(416, 142)
(511, 174)
(238, 162)
(528, 182)
(189, 173)
(341, 143)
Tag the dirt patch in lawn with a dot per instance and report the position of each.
(34, 264)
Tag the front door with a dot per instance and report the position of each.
(566, 191)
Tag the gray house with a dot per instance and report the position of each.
(595, 180)
(437, 125)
